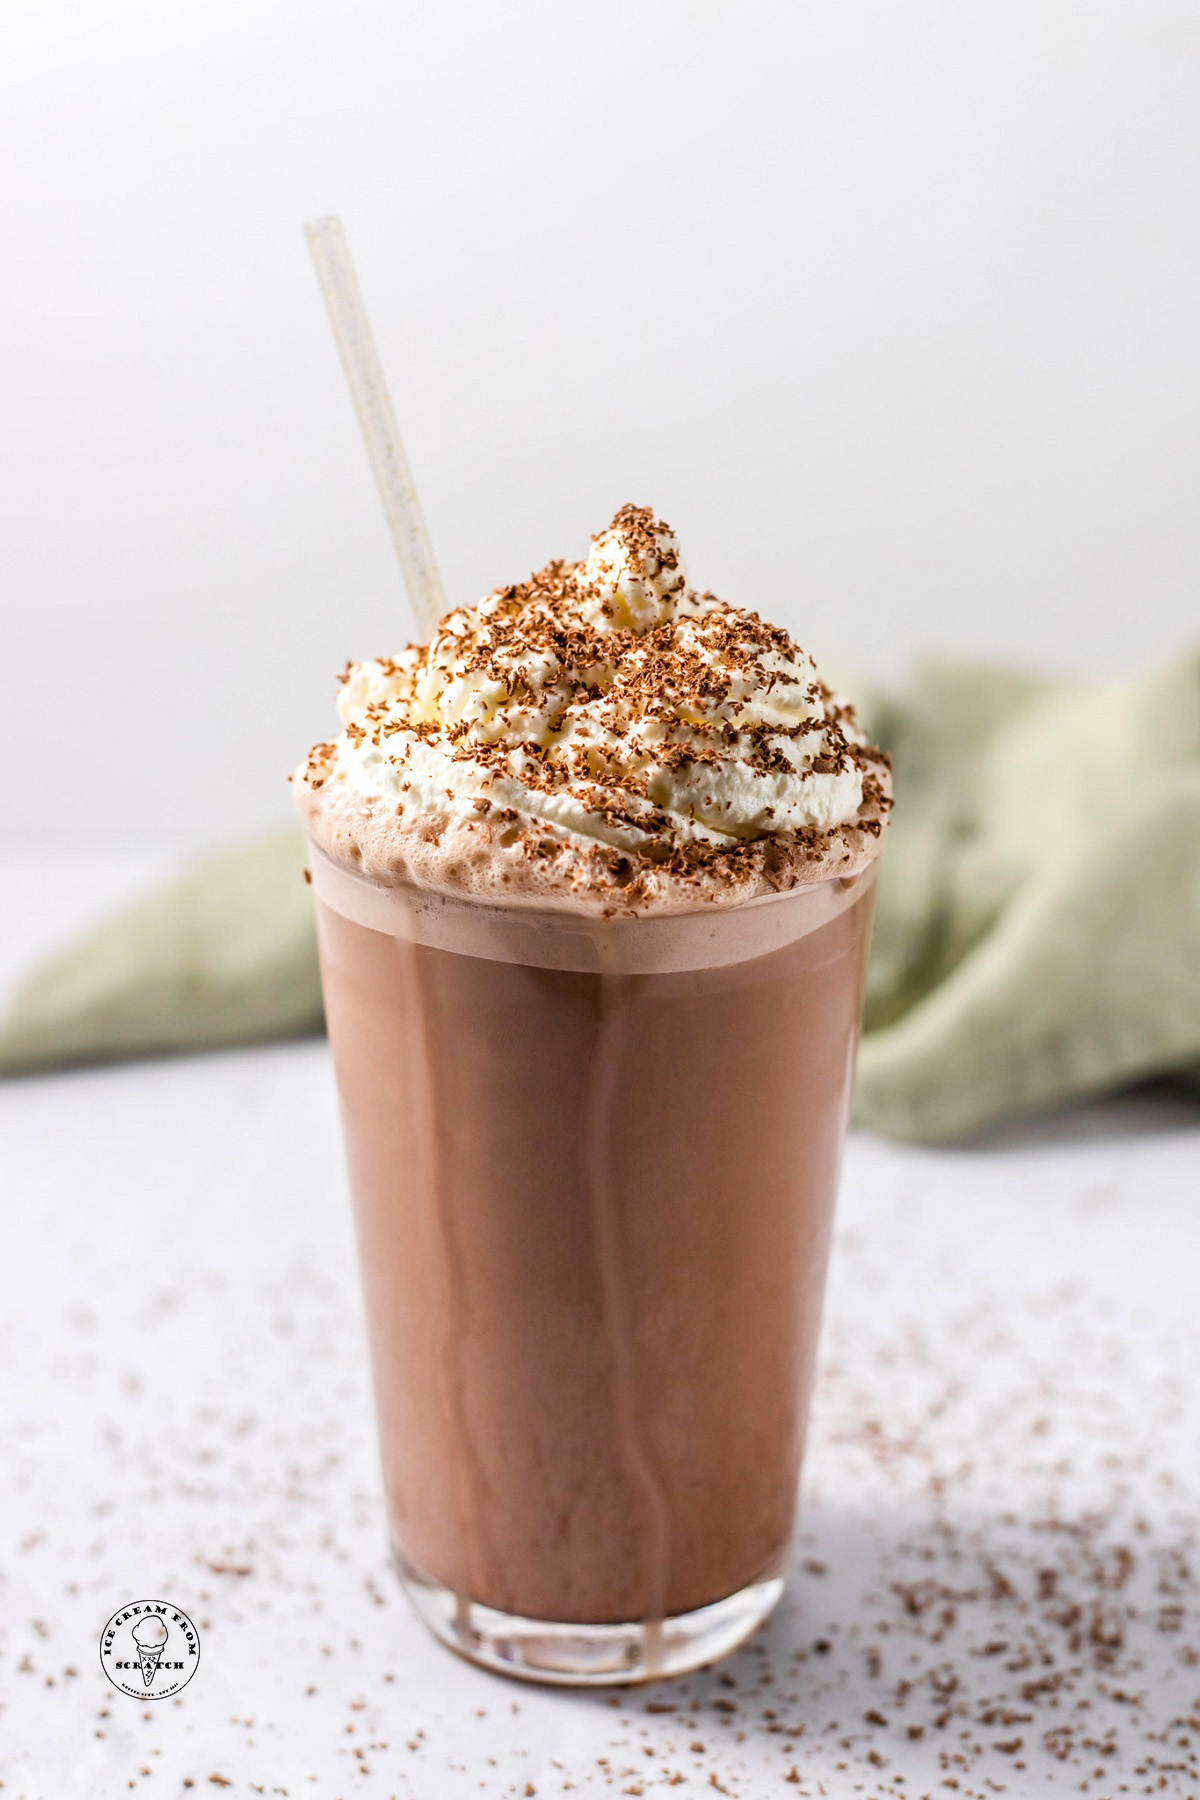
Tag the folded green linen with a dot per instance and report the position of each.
(1037, 934)
(225, 955)
(1038, 928)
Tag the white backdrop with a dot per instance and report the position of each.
(890, 309)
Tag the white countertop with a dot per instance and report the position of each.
(1000, 1501)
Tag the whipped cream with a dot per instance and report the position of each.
(604, 709)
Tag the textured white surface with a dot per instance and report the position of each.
(1007, 1388)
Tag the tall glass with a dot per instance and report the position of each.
(593, 1165)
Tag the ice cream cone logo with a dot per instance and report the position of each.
(150, 1635)
(150, 1649)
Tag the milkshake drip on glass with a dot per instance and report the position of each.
(594, 872)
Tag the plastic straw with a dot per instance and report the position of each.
(364, 372)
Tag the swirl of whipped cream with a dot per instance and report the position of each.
(609, 713)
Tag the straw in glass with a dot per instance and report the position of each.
(364, 373)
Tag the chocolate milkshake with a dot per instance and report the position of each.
(594, 873)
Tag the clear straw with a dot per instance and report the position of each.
(364, 372)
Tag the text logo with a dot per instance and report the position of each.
(149, 1649)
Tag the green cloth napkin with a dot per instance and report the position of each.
(225, 955)
(1037, 934)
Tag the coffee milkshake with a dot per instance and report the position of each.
(594, 873)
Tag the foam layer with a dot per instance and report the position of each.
(599, 736)
(554, 938)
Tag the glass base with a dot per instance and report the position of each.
(586, 1655)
